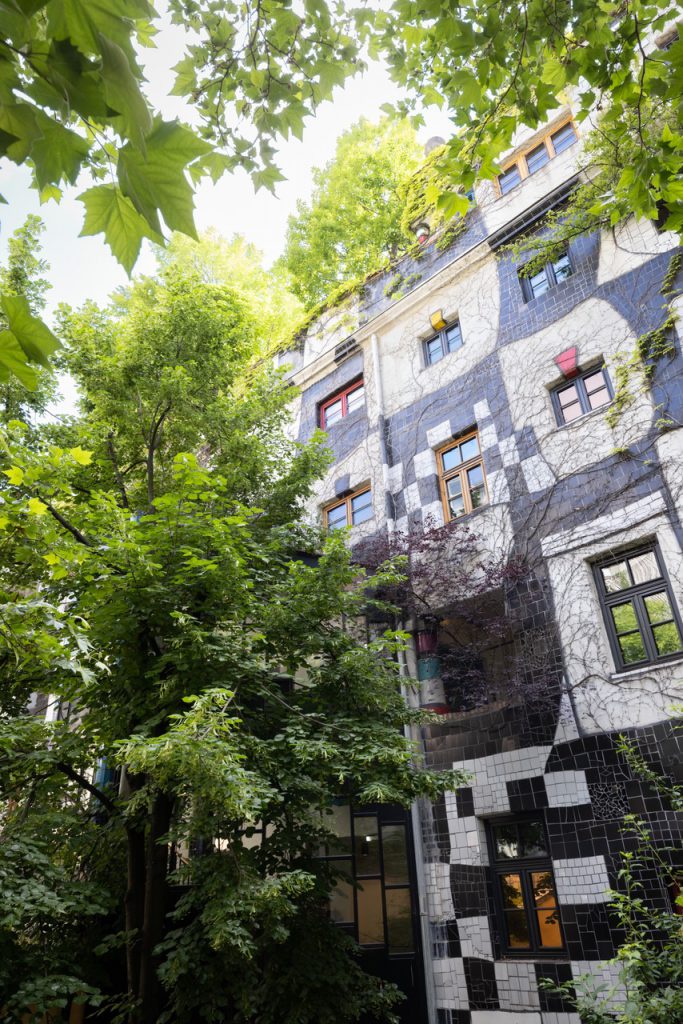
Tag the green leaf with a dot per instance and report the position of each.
(58, 154)
(84, 22)
(36, 339)
(18, 130)
(82, 457)
(15, 475)
(113, 214)
(123, 92)
(36, 507)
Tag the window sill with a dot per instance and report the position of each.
(430, 366)
(533, 958)
(645, 670)
(345, 420)
(583, 419)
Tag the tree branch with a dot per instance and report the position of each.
(81, 781)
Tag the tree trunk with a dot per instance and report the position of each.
(135, 911)
(153, 927)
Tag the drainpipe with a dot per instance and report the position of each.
(432, 692)
(381, 432)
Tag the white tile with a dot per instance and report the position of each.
(425, 463)
(441, 432)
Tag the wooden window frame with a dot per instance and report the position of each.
(346, 501)
(520, 160)
(549, 270)
(636, 594)
(447, 474)
(442, 336)
(523, 866)
(584, 403)
(343, 395)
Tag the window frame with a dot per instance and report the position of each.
(340, 395)
(347, 502)
(523, 866)
(520, 161)
(447, 474)
(551, 277)
(579, 381)
(442, 337)
(636, 594)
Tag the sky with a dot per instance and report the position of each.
(83, 268)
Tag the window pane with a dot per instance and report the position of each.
(562, 268)
(399, 921)
(456, 502)
(509, 179)
(340, 901)
(451, 458)
(567, 396)
(395, 857)
(594, 381)
(532, 839)
(355, 399)
(624, 616)
(564, 138)
(336, 517)
(658, 608)
(538, 283)
(332, 412)
(339, 822)
(511, 886)
(366, 845)
(370, 921)
(469, 449)
(632, 648)
(543, 889)
(598, 398)
(434, 350)
(475, 477)
(517, 929)
(549, 928)
(507, 844)
(453, 337)
(644, 567)
(537, 158)
(667, 638)
(615, 577)
(361, 507)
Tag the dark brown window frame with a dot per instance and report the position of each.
(447, 474)
(579, 382)
(347, 502)
(636, 593)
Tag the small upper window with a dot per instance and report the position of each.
(550, 274)
(509, 179)
(447, 340)
(350, 511)
(564, 138)
(550, 146)
(461, 471)
(342, 403)
(537, 158)
(585, 393)
(640, 613)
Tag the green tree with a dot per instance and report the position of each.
(353, 220)
(181, 598)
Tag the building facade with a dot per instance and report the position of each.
(518, 437)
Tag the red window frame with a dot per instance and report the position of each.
(342, 395)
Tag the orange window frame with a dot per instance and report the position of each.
(342, 396)
(365, 489)
(520, 160)
(447, 474)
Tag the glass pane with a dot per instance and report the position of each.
(658, 608)
(355, 399)
(508, 180)
(366, 845)
(511, 887)
(615, 577)
(549, 928)
(451, 458)
(475, 476)
(564, 138)
(507, 844)
(370, 921)
(624, 616)
(434, 350)
(543, 889)
(538, 283)
(567, 396)
(598, 398)
(336, 517)
(478, 497)
(562, 268)
(644, 567)
(339, 822)
(537, 158)
(469, 449)
(333, 412)
(594, 381)
(571, 412)
(667, 638)
(453, 337)
(395, 857)
(456, 502)
(632, 648)
(531, 839)
(399, 921)
(361, 507)
(518, 929)
(340, 901)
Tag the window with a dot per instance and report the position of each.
(537, 157)
(525, 887)
(341, 404)
(350, 511)
(447, 340)
(642, 620)
(371, 849)
(550, 275)
(589, 391)
(461, 471)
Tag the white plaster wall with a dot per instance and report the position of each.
(629, 245)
